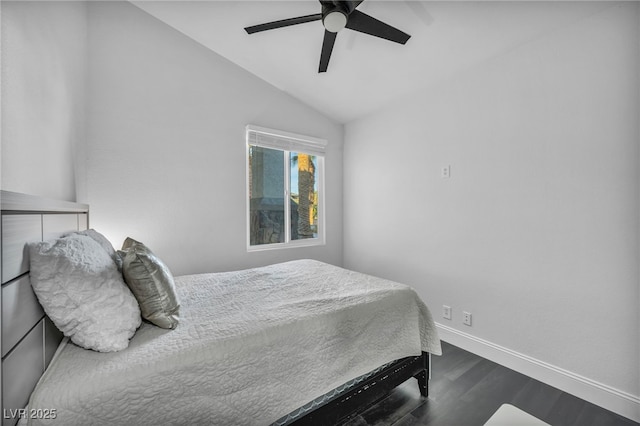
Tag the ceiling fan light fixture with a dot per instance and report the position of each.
(334, 21)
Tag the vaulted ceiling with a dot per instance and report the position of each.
(366, 73)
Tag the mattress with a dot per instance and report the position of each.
(252, 346)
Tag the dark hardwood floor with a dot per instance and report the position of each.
(465, 390)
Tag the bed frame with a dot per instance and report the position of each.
(353, 401)
(29, 339)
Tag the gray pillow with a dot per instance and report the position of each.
(151, 282)
(81, 290)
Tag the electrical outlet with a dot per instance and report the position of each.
(466, 318)
(446, 312)
(445, 172)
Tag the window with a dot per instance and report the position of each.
(285, 179)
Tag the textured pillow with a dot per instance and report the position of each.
(151, 283)
(81, 290)
(104, 243)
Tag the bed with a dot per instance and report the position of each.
(300, 342)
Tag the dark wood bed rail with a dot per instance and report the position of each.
(354, 401)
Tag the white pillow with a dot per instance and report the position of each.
(81, 290)
(104, 243)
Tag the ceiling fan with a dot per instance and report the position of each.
(335, 16)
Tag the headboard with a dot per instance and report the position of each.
(29, 339)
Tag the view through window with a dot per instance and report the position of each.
(285, 189)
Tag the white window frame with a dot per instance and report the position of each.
(287, 142)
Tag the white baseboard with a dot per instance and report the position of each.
(612, 399)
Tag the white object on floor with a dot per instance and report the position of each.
(508, 415)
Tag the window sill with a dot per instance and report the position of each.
(289, 245)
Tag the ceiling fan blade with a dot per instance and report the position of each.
(327, 48)
(364, 23)
(283, 23)
(347, 6)
(420, 10)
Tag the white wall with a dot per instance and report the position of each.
(166, 144)
(537, 231)
(44, 63)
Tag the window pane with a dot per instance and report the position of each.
(304, 196)
(266, 196)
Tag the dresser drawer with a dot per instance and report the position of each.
(17, 230)
(21, 370)
(20, 312)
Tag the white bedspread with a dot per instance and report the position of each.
(251, 346)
